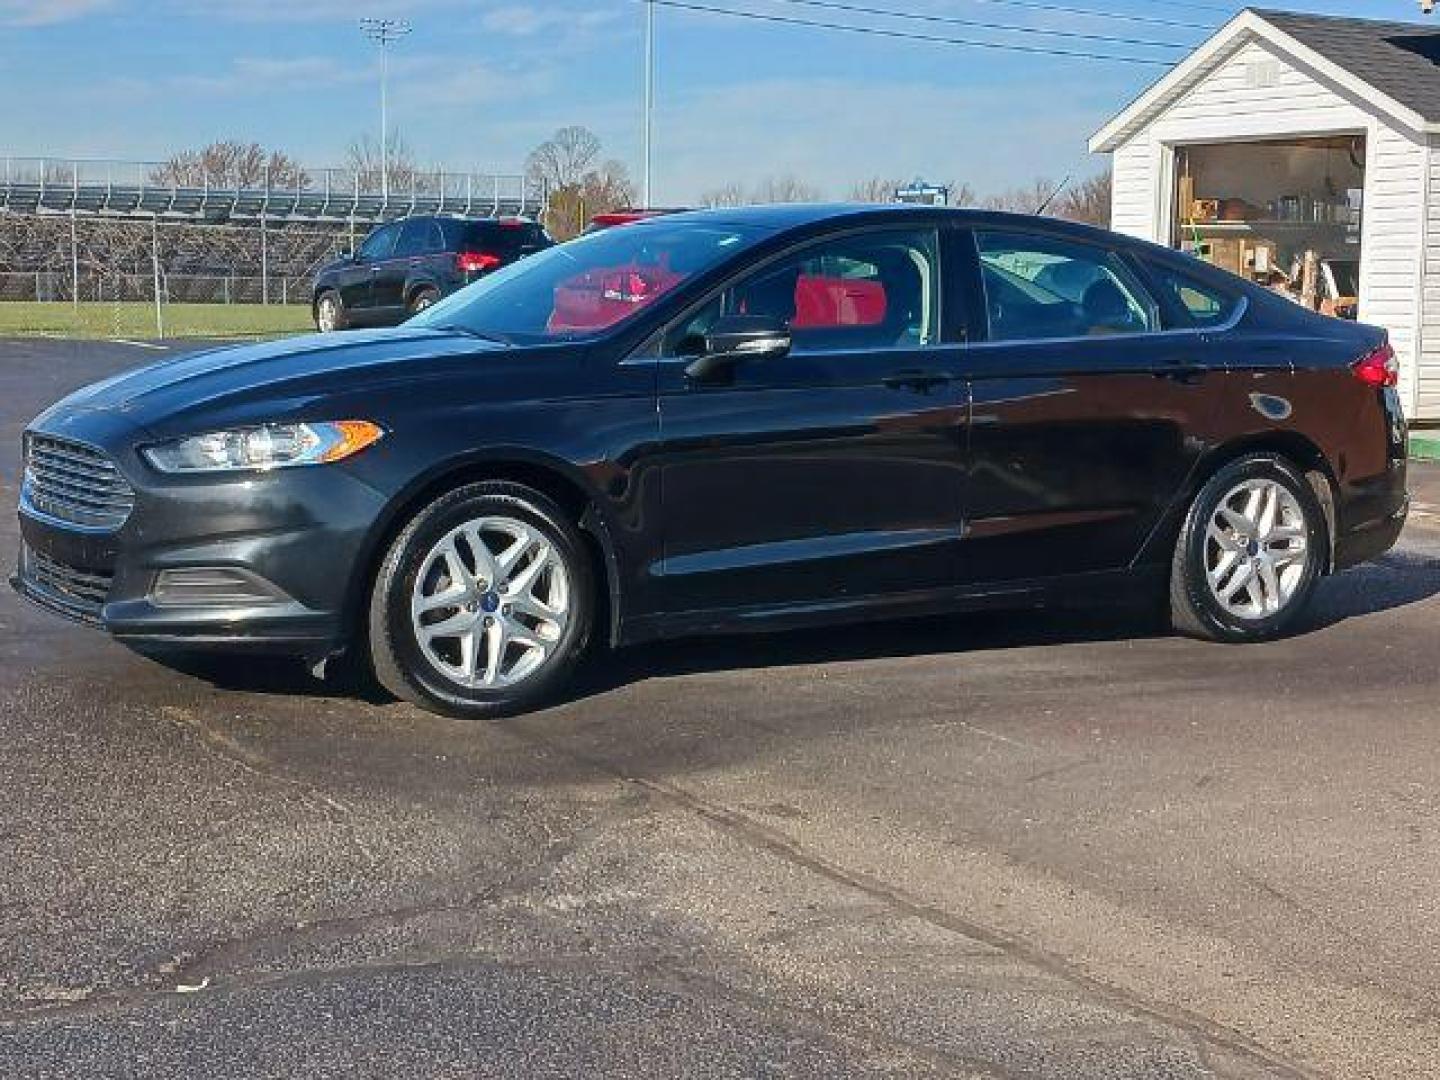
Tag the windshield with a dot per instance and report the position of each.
(589, 285)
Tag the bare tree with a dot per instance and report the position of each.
(877, 189)
(576, 188)
(231, 164)
(731, 194)
(962, 194)
(608, 187)
(1023, 200)
(786, 188)
(364, 159)
(564, 158)
(1088, 201)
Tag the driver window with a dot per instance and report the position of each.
(1039, 287)
(874, 290)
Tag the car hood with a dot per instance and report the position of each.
(295, 368)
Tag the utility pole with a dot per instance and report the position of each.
(649, 102)
(384, 32)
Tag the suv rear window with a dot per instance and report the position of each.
(507, 239)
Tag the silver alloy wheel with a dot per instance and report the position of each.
(424, 300)
(491, 603)
(1256, 549)
(327, 314)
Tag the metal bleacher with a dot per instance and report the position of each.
(128, 189)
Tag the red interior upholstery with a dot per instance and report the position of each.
(601, 298)
(822, 303)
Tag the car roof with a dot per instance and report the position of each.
(781, 216)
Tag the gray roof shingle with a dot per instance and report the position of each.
(1401, 60)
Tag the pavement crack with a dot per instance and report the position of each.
(768, 839)
(227, 747)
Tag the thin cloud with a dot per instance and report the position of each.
(47, 12)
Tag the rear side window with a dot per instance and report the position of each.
(1198, 304)
(508, 239)
(414, 237)
(1040, 287)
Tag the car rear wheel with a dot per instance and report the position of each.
(483, 604)
(329, 313)
(423, 299)
(1250, 553)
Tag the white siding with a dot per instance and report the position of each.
(1259, 93)
(1232, 103)
(1135, 190)
(1391, 252)
(1427, 398)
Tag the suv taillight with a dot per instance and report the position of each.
(1379, 368)
(474, 262)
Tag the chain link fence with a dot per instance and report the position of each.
(52, 287)
(64, 274)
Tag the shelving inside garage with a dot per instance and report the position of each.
(1287, 213)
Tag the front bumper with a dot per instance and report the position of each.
(300, 534)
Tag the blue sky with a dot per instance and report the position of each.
(479, 82)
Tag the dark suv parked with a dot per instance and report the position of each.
(407, 265)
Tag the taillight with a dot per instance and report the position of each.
(475, 262)
(1379, 368)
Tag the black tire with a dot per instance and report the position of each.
(399, 661)
(422, 299)
(342, 318)
(1195, 610)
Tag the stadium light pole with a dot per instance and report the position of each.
(384, 32)
(649, 120)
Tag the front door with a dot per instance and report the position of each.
(1087, 410)
(829, 476)
(357, 281)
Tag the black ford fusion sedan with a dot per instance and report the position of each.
(732, 419)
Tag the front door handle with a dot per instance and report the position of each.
(921, 381)
(1183, 371)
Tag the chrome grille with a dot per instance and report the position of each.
(71, 591)
(75, 484)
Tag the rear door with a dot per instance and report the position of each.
(831, 476)
(1087, 408)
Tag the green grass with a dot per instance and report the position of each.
(137, 320)
(1425, 445)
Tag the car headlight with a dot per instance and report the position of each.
(269, 446)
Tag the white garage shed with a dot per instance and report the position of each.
(1302, 151)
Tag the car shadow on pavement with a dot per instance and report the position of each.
(1399, 580)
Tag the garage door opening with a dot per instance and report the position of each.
(1286, 213)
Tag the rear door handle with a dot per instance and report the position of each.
(918, 380)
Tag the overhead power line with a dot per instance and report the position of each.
(1118, 16)
(907, 35)
(980, 24)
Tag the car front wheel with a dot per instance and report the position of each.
(1250, 553)
(483, 604)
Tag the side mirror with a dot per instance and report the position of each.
(734, 338)
(347, 255)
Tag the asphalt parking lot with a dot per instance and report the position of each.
(1040, 845)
